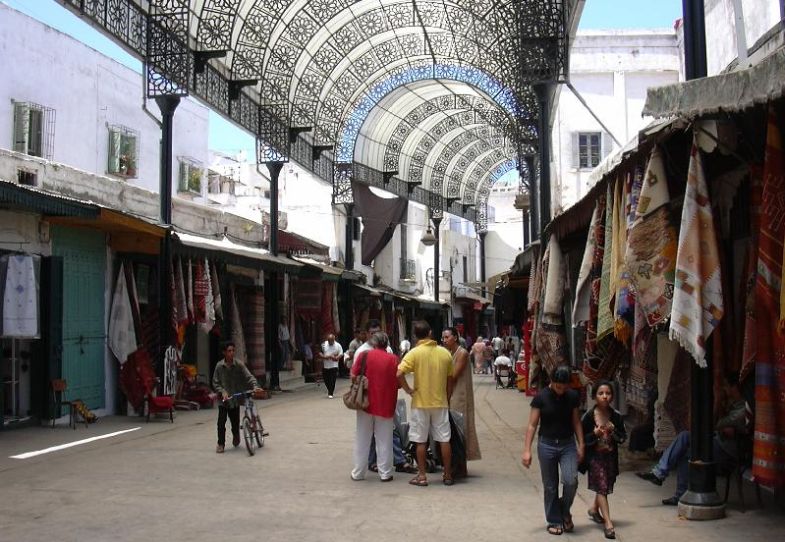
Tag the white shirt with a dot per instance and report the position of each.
(330, 350)
(498, 343)
(283, 333)
(502, 360)
(405, 346)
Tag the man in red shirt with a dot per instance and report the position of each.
(380, 368)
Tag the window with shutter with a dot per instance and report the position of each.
(122, 152)
(190, 177)
(33, 129)
(587, 149)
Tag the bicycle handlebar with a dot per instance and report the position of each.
(238, 395)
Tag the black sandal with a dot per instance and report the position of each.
(610, 534)
(595, 516)
(555, 530)
(569, 526)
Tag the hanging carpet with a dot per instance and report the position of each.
(122, 335)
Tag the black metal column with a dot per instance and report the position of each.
(701, 500)
(349, 236)
(274, 354)
(544, 93)
(482, 260)
(534, 199)
(346, 285)
(167, 105)
(436, 268)
(526, 232)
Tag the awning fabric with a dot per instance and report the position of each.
(329, 272)
(730, 92)
(380, 218)
(224, 245)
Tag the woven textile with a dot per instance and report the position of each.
(552, 308)
(189, 291)
(581, 309)
(252, 312)
(179, 295)
(768, 465)
(749, 344)
(604, 314)
(624, 321)
(590, 344)
(238, 337)
(677, 398)
(122, 335)
(651, 245)
(216, 287)
(200, 292)
(535, 281)
(697, 297)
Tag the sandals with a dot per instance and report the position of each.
(448, 481)
(610, 533)
(373, 468)
(406, 467)
(595, 516)
(555, 530)
(569, 526)
(417, 481)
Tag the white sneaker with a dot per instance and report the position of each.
(329, 396)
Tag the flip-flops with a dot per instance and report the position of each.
(569, 526)
(417, 481)
(555, 530)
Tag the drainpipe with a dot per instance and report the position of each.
(167, 105)
(701, 501)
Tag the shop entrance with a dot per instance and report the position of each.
(84, 334)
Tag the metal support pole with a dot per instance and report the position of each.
(534, 199)
(167, 105)
(274, 355)
(482, 260)
(349, 236)
(544, 93)
(526, 233)
(436, 222)
(701, 501)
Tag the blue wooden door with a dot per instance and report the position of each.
(84, 335)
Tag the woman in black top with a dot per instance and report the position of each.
(604, 430)
(560, 447)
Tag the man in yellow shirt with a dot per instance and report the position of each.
(432, 368)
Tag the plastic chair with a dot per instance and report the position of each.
(59, 387)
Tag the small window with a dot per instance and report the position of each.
(34, 129)
(190, 179)
(27, 177)
(465, 270)
(589, 148)
(123, 152)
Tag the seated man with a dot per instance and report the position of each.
(500, 363)
(725, 453)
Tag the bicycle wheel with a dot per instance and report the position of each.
(248, 435)
(259, 433)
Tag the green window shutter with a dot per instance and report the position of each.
(182, 185)
(113, 165)
(21, 127)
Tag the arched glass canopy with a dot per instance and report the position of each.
(409, 95)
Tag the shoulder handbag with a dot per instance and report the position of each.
(357, 396)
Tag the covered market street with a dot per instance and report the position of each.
(165, 480)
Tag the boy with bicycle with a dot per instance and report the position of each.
(231, 376)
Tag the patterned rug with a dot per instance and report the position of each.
(651, 245)
(768, 464)
(604, 314)
(697, 298)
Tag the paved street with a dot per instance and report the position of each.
(165, 480)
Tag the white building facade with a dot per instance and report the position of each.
(611, 71)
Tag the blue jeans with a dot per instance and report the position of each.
(398, 457)
(675, 457)
(558, 456)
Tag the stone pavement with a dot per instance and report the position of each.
(166, 481)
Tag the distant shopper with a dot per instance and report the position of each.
(405, 346)
(603, 429)
(478, 355)
(462, 398)
(331, 353)
(284, 362)
(498, 345)
(359, 338)
(377, 420)
(499, 364)
(432, 368)
(230, 376)
(560, 447)
(372, 326)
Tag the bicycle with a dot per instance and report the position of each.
(253, 430)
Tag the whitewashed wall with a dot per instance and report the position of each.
(88, 92)
(612, 71)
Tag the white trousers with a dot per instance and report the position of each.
(382, 430)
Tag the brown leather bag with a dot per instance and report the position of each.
(357, 396)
